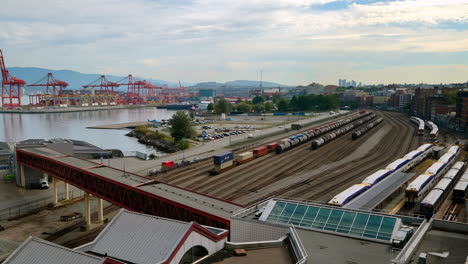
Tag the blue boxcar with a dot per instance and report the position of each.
(223, 157)
(280, 113)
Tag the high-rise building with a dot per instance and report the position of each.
(353, 83)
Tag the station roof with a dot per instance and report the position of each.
(364, 225)
(152, 239)
(205, 203)
(379, 192)
(36, 250)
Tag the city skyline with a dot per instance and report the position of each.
(293, 42)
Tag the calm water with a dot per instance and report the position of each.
(17, 127)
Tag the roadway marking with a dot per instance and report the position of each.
(397, 206)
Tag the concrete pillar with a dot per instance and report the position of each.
(54, 186)
(66, 191)
(23, 177)
(100, 211)
(87, 210)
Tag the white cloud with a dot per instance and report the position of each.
(221, 40)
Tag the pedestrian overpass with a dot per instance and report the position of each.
(127, 190)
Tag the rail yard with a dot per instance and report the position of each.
(302, 173)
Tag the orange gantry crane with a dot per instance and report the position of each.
(105, 85)
(53, 86)
(11, 86)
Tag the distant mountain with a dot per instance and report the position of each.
(75, 79)
(248, 83)
(236, 84)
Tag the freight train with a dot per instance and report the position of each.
(420, 123)
(461, 188)
(418, 188)
(225, 161)
(291, 142)
(407, 162)
(365, 129)
(429, 205)
(434, 133)
(316, 143)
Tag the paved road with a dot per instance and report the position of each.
(203, 150)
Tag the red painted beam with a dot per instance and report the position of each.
(125, 196)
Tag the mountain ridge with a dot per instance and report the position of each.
(76, 79)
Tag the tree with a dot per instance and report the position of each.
(269, 106)
(183, 144)
(243, 107)
(293, 104)
(222, 106)
(260, 107)
(239, 100)
(258, 99)
(450, 98)
(181, 126)
(283, 105)
(210, 107)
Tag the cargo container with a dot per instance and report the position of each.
(223, 165)
(271, 147)
(260, 151)
(223, 157)
(245, 157)
(219, 168)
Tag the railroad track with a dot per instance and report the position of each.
(183, 176)
(277, 174)
(324, 185)
(452, 212)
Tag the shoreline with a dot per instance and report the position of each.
(73, 109)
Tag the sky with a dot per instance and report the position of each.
(292, 42)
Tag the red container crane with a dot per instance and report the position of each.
(11, 86)
(53, 86)
(105, 85)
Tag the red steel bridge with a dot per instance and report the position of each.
(127, 190)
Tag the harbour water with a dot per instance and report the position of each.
(18, 127)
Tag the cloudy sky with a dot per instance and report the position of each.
(293, 41)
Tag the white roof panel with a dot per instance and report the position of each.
(412, 154)
(454, 149)
(342, 196)
(443, 184)
(418, 182)
(452, 173)
(432, 197)
(434, 168)
(446, 157)
(394, 165)
(424, 147)
(371, 179)
(458, 165)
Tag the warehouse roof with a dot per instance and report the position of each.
(36, 250)
(379, 192)
(205, 203)
(152, 239)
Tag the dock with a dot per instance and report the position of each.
(70, 109)
(131, 125)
